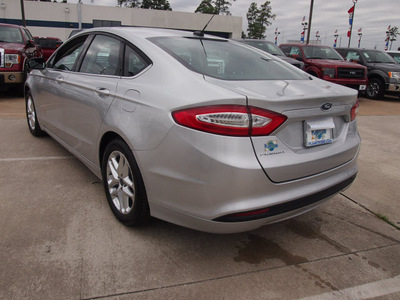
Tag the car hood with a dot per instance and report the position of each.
(385, 67)
(334, 63)
(11, 46)
(279, 95)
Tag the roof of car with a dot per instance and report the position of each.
(144, 32)
(303, 45)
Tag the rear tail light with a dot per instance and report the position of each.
(354, 111)
(231, 120)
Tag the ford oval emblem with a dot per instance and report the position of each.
(326, 106)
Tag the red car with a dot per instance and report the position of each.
(325, 63)
(48, 45)
(16, 46)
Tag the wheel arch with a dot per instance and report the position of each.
(105, 140)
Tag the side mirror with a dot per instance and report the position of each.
(30, 44)
(37, 63)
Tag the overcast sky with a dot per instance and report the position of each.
(373, 16)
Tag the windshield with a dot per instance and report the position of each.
(373, 56)
(11, 35)
(396, 57)
(225, 60)
(265, 46)
(315, 52)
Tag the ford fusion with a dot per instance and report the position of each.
(196, 130)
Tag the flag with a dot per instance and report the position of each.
(302, 37)
(348, 33)
(351, 14)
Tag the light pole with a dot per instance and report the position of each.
(23, 13)
(304, 24)
(317, 35)
(360, 36)
(336, 36)
(309, 21)
(276, 36)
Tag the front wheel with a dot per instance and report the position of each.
(123, 185)
(375, 89)
(31, 117)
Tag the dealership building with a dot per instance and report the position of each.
(59, 19)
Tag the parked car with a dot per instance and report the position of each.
(395, 55)
(16, 45)
(325, 63)
(273, 49)
(195, 130)
(48, 45)
(383, 71)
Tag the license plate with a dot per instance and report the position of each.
(319, 132)
(318, 137)
(362, 87)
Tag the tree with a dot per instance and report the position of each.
(128, 3)
(258, 19)
(205, 7)
(222, 7)
(218, 7)
(156, 4)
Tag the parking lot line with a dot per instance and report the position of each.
(370, 290)
(35, 158)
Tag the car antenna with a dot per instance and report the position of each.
(201, 33)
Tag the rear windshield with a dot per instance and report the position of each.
(377, 57)
(11, 35)
(225, 60)
(48, 43)
(314, 52)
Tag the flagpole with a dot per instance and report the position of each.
(352, 22)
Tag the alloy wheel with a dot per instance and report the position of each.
(120, 182)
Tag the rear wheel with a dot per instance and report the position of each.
(33, 123)
(123, 185)
(375, 88)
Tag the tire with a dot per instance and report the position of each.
(123, 185)
(375, 89)
(31, 117)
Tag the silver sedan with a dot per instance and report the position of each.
(196, 130)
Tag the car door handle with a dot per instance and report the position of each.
(103, 91)
(60, 79)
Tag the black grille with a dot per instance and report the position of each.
(350, 73)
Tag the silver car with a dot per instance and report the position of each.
(196, 130)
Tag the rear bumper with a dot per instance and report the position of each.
(11, 77)
(211, 182)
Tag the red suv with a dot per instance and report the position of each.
(324, 62)
(16, 46)
(48, 45)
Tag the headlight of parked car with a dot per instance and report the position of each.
(395, 75)
(329, 72)
(11, 59)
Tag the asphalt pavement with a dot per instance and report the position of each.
(59, 239)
